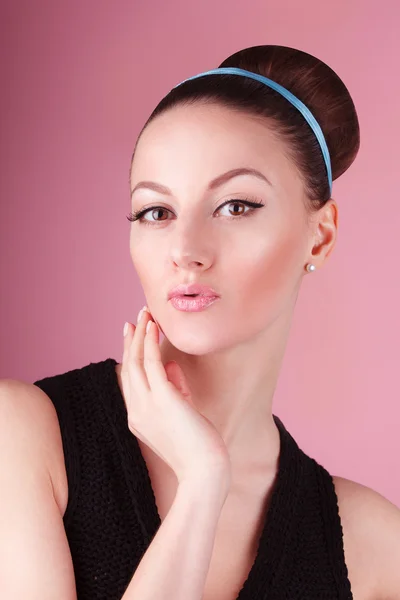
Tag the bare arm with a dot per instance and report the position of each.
(177, 561)
(35, 560)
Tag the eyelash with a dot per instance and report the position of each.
(137, 215)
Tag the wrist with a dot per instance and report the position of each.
(214, 483)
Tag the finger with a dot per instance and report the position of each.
(135, 355)
(137, 349)
(135, 401)
(153, 365)
(176, 375)
(129, 331)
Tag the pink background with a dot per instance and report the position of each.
(78, 80)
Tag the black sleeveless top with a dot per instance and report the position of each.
(112, 516)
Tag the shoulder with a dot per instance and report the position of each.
(29, 428)
(371, 537)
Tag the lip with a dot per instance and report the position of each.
(192, 304)
(192, 288)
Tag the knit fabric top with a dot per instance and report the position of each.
(112, 516)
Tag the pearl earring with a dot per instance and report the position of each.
(310, 268)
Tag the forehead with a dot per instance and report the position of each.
(189, 144)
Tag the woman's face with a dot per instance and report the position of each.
(255, 262)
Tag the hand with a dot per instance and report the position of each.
(160, 408)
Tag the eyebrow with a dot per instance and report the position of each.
(218, 181)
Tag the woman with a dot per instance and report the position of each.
(168, 476)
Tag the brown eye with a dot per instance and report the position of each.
(139, 215)
(240, 212)
(158, 209)
(245, 204)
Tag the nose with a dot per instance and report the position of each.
(191, 250)
(190, 260)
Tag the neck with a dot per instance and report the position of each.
(234, 387)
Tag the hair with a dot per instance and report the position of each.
(308, 78)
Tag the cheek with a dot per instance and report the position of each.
(267, 278)
(150, 271)
(258, 279)
(148, 264)
(146, 254)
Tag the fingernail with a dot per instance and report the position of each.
(148, 326)
(125, 329)
(141, 312)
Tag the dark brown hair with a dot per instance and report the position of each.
(308, 78)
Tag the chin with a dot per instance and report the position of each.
(196, 344)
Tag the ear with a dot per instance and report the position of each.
(326, 222)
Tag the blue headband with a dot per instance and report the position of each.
(289, 96)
